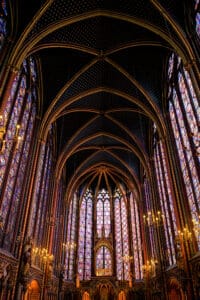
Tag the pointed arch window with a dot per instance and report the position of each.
(3, 22)
(136, 237)
(184, 114)
(40, 215)
(197, 16)
(103, 262)
(85, 236)
(71, 243)
(103, 214)
(57, 236)
(18, 119)
(151, 241)
(121, 236)
(165, 195)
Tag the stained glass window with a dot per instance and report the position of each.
(70, 246)
(3, 22)
(136, 237)
(58, 246)
(121, 236)
(166, 201)
(197, 18)
(103, 262)
(18, 119)
(39, 216)
(103, 213)
(37, 193)
(184, 115)
(150, 238)
(85, 236)
(94, 243)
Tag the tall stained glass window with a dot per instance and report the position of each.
(40, 208)
(103, 214)
(18, 119)
(136, 237)
(3, 22)
(121, 236)
(150, 237)
(184, 113)
(97, 243)
(197, 16)
(85, 236)
(103, 262)
(71, 243)
(165, 196)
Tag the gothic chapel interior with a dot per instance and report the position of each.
(99, 150)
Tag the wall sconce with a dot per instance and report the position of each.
(153, 218)
(3, 139)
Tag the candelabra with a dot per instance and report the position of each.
(41, 256)
(185, 235)
(150, 267)
(127, 258)
(153, 218)
(46, 264)
(4, 139)
(69, 245)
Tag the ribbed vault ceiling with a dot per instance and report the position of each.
(102, 65)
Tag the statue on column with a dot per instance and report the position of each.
(179, 255)
(26, 260)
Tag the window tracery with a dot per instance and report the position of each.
(3, 22)
(166, 200)
(184, 116)
(121, 236)
(85, 236)
(197, 16)
(136, 237)
(18, 120)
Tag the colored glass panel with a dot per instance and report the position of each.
(3, 22)
(71, 239)
(37, 191)
(184, 115)
(103, 262)
(197, 17)
(121, 237)
(85, 237)
(103, 214)
(166, 202)
(136, 238)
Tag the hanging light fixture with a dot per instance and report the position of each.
(4, 140)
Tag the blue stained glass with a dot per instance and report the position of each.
(85, 236)
(3, 23)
